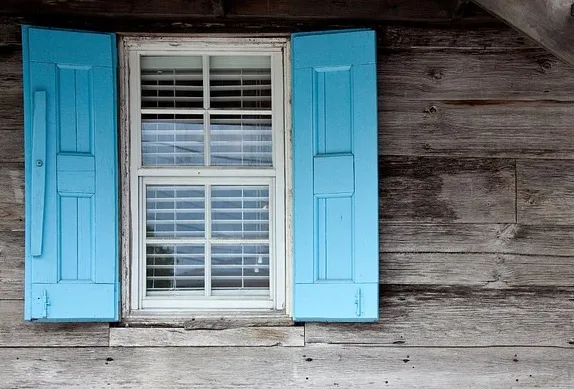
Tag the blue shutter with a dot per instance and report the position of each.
(71, 176)
(336, 256)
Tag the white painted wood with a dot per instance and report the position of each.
(140, 175)
(234, 337)
(325, 366)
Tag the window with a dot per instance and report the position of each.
(205, 150)
(207, 179)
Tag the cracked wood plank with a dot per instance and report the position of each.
(519, 239)
(474, 74)
(545, 192)
(476, 128)
(293, 336)
(445, 316)
(503, 271)
(314, 366)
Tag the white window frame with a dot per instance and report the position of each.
(134, 300)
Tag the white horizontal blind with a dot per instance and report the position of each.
(172, 140)
(238, 239)
(240, 212)
(171, 82)
(242, 82)
(177, 116)
(175, 211)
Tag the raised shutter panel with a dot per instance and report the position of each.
(71, 176)
(336, 256)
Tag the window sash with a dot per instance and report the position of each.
(274, 175)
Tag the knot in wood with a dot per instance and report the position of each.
(435, 74)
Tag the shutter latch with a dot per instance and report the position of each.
(358, 301)
(45, 302)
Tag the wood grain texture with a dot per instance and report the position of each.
(125, 8)
(547, 240)
(368, 10)
(15, 332)
(11, 197)
(315, 366)
(12, 145)
(548, 22)
(545, 192)
(449, 316)
(475, 128)
(446, 190)
(454, 39)
(11, 265)
(234, 337)
(9, 32)
(11, 98)
(474, 74)
(477, 270)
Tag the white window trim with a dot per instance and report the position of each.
(133, 288)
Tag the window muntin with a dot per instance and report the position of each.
(207, 131)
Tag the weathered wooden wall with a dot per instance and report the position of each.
(477, 231)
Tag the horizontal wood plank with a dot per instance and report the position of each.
(478, 270)
(437, 37)
(15, 332)
(11, 265)
(293, 336)
(477, 238)
(545, 192)
(474, 317)
(315, 366)
(475, 128)
(371, 10)
(474, 74)
(446, 190)
(198, 8)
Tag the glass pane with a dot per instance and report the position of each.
(242, 266)
(172, 140)
(175, 267)
(171, 82)
(240, 212)
(175, 211)
(241, 140)
(240, 82)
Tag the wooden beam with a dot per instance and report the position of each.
(295, 10)
(548, 22)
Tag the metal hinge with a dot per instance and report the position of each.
(45, 302)
(358, 301)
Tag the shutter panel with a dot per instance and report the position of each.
(71, 176)
(336, 252)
